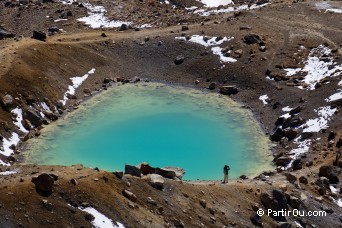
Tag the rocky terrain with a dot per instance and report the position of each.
(280, 59)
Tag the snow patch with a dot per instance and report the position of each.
(76, 82)
(319, 65)
(286, 116)
(218, 51)
(287, 109)
(205, 13)
(339, 202)
(327, 7)
(333, 189)
(214, 41)
(7, 143)
(19, 119)
(263, 98)
(44, 106)
(216, 3)
(6, 173)
(334, 10)
(317, 124)
(101, 221)
(303, 147)
(145, 26)
(96, 18)
(58, 20)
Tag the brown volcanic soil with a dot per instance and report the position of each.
(31, 69)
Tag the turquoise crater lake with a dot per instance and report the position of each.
(158, 124)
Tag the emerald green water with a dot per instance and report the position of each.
(160, 125)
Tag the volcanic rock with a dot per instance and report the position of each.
(252, 39)
(132, 170)
(38, 35)
(179, 59)
(157, 181)
(229, 90)
(129, 195)
(43, 182)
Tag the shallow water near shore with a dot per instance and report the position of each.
(158, 124)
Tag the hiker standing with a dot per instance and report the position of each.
(225, 172)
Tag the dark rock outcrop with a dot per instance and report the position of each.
(229, 90)
(38, 35)
(132, 170)
(5, 34)
(330, 172)
(43, 183)
(7, 102)
(179, 59)
(252, 39)
(33, 116)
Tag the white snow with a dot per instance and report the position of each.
(315, 68)
(192, 8)
(58, 20)
(6, 173)
(8, 142)
(317, 124)
(145, 26)
(339, 202)
(303, 147)
(68, 2)
(206, 13)
(96, 18)
(327, 7)
(218, 51)
(216, 3)
(19, 118)
(286, 109)
(334, 10)
(207, 43)
(263, 98)
(100, 221)
(286, 116)
(333, 189)
(45, 106)
(335, 96)
(76, 82)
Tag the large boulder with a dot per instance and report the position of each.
(167, 173)
(129, 195)
(252, 39)
(178, 171)
(297, 164)
(7, 102)
(5, 34)
(283, 161)
(266, 200)
(256, 220)
(146, 169)
(43, 182)
(51, 115)
(330, 172)
(33, 116)
(290, 134)
(229, 90)
(132, 170)
(280, 197)
(157, 181)
(277, 135)
(339, 143)
(38, 35)
(179, 59)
